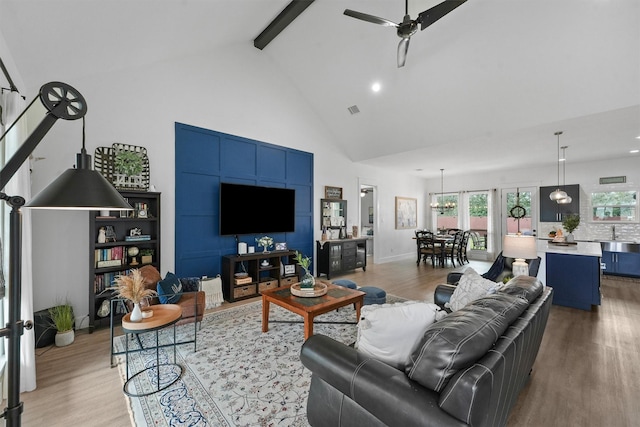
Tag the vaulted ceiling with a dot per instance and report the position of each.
(484, 88)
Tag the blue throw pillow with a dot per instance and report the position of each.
(169, 289)
(190, 284)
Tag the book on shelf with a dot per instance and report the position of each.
(109, 257)
(139, 238)
(243, 280)
(105, 282)
(109, 263)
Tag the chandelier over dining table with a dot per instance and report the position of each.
(442, 205)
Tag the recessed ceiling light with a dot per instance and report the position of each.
(376, 87)
(638, 137)
(634, 151)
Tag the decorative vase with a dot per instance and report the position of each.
(308, 281)
(136, 313)
(569, 237)
(64, 338)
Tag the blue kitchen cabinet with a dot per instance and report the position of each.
(621, 263)
(575, 279)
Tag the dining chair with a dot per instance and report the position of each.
(451, 249)
(428, 248)
(462, 248)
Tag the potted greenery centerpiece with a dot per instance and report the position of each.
(570, 223)
(132, 287)
(307, 281)
(63, 320)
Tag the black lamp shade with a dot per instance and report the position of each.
(80, 189)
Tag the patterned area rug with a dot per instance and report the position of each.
(238, 376)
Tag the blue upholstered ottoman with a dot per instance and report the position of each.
(373, 295)
(346, 283)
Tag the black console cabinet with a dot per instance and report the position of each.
(264, 271)
(340, 256)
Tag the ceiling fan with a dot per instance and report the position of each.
(408, 26)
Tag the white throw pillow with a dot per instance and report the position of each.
(390, 332)
(471, 286)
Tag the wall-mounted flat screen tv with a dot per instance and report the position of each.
(252, 209)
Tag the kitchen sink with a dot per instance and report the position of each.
(619, 246)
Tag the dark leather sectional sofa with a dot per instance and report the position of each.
(468, 369)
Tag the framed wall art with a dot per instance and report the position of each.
(406, 213)
(332, 192)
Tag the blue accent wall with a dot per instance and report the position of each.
(204, 158)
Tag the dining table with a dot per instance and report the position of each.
(440, 240)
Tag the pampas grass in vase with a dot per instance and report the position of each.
(132, 287)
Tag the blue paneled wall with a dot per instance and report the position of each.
(204, 158)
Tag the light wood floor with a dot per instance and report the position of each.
(587, 372)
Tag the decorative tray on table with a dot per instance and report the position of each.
(318, 290)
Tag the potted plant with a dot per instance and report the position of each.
(63, 320)
(131, 287)
(308, 281)
(146, 256)
(570, 223)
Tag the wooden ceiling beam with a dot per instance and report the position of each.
(286, 17)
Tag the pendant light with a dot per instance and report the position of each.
(558, 194)
(441, 205)
(567, 199)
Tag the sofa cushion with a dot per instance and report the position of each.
(390, 332)
(169, 289)
(190, 284)
(461, 338)
(526, 287)
(151, 276)
(470, 287)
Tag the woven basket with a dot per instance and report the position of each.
(104, 162)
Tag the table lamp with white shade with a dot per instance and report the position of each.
(521, 248)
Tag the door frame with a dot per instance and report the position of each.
(503, 208)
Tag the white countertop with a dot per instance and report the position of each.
(582, 248)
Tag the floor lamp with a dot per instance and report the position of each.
(78, 188)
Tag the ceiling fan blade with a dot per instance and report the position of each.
(430, 16)
(403, 48)
(370, 18)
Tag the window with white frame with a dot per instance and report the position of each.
(614, 206)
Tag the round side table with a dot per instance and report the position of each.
(164, 315)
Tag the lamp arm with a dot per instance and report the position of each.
(62, 102)
(30, 144)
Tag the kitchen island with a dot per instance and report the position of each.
(573, 271)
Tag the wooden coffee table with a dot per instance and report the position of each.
(309, 308)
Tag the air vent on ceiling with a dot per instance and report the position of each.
(613, 180)
(354, 109)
